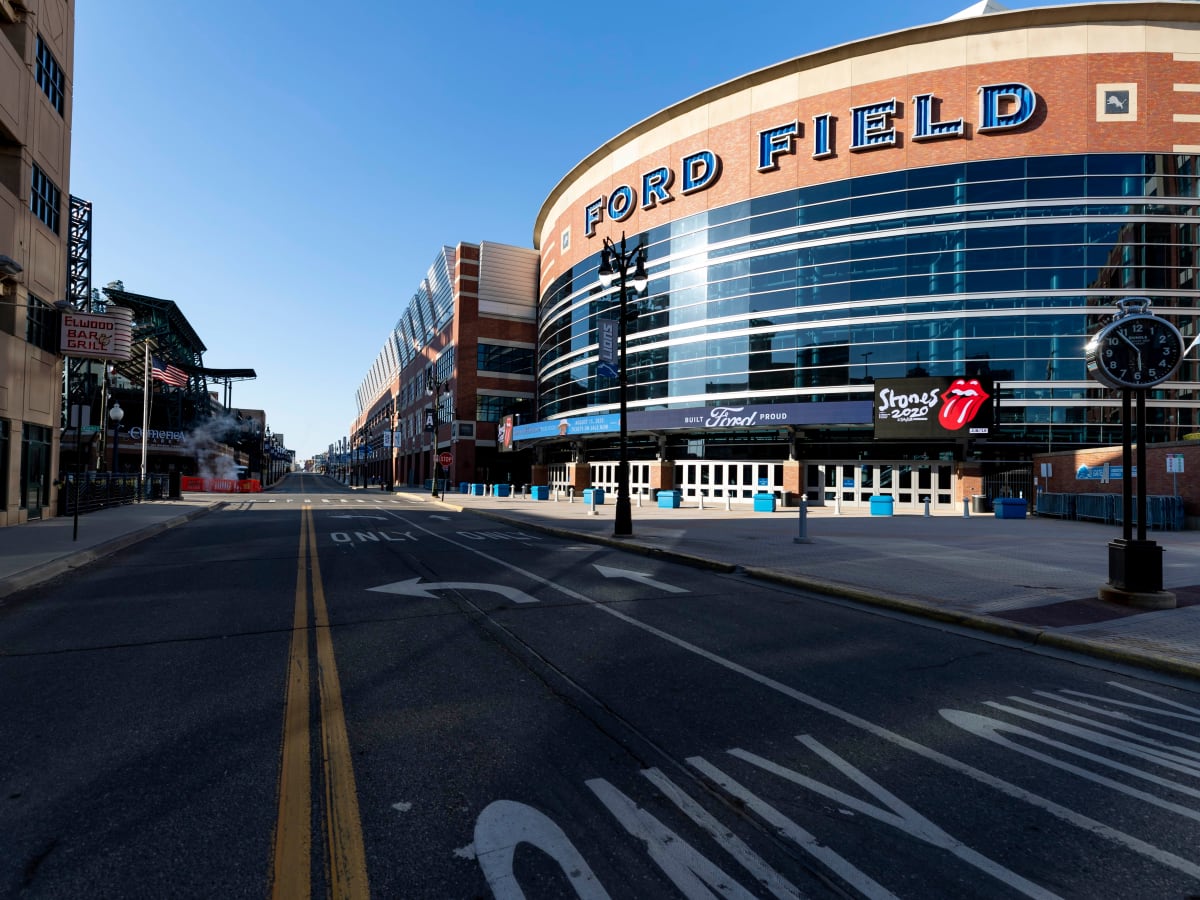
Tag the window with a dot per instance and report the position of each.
(39, 325)
(45, 199)
(493, 409)
(513, 360)
(49, 75)
(4, 439)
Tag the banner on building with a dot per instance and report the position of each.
(606, 334)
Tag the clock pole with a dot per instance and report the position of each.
(1134, 352)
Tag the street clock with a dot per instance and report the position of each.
(1137, 349)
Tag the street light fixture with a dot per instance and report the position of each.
(615, 263)
(115, 415)
(433, 388)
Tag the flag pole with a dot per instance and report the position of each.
(145, 411)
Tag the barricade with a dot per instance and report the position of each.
(220, 485)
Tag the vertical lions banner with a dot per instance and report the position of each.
(606, 334)
(933, 408)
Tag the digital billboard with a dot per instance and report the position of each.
(933, 408)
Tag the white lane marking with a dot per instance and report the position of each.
(990, 729)
(1132, 736)
(688, 869)
(1119, 716)
(898, 814)
(612, 572)
(726, 839)
(414, 588)
(848, 872)
(354, 516)
(1139, 750)
(505, 824)
(1070, 816)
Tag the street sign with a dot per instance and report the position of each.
(445, 459)
(1175, 463)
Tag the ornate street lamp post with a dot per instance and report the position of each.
(615, 263)
(433, 388)
(115, 415)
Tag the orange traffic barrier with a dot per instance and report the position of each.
(220, 485)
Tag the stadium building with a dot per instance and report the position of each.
(938, 217)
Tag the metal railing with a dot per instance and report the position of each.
(99, 490)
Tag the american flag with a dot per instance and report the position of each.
(167, 373)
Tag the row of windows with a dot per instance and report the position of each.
(50, 76)
(45, 199)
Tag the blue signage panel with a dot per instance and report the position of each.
(707, 418)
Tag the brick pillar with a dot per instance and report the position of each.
(539, 474)
(970, 481)
(793, 478)
(579, 476)
(662, 475)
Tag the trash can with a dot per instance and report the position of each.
(501, 490)
(478, 490)
(979, 503)
(881, 505)
(1010, 507)
(669, 499)
(593, 495)
(539, 492)
(764, 503)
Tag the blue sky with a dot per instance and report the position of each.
(287, 172)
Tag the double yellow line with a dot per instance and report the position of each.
(291, 866)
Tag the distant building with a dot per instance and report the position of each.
(469, 330)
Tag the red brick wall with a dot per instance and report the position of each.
(1159, 481)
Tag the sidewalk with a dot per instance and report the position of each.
(1033, 580)
(38, 551)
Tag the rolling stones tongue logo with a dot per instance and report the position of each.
(961, 402)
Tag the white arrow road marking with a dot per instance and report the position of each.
(610, 572)
(441, 518)
(414, 588)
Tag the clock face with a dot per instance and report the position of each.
(1138, 351)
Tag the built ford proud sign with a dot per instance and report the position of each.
(932, 408)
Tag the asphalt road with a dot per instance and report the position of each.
(358, 695)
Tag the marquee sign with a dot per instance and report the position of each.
(932, 408)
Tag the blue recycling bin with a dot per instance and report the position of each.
(669, 499)
(539, 492)
(593, 495)
(501, 490)
(464, 487)
(478, 490)
(1010, 507)
(764, 503)
(881, 505)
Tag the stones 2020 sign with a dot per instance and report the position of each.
(932, 408)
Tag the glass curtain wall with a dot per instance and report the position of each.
(999, 269)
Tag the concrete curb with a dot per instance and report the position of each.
(1000, 627)
(43, 573)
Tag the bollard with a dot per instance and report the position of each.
(727, 502)
(927, 507)
(592, 511)
(966, 508)
(803, 538)
(700, 497)
(837, 504)
(639, 496)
